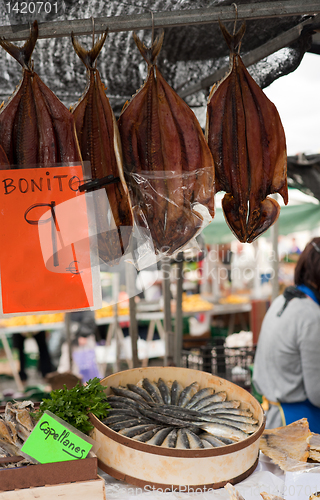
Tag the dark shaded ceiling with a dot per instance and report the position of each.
(189, 52)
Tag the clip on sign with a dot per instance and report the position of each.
(46, 247)
(54, 440)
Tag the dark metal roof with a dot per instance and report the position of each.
(189, 53)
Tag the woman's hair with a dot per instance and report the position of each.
(307, 270)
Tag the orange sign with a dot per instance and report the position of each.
(45, 246)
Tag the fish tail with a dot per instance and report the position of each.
(233, 41)
(88, 57)
(150, 54)
(22, 54)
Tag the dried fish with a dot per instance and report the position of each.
(99, 141)
(194, 440)
(35, 127)
(167, 161)
(248, 145)
(214, 441)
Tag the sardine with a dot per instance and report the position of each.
(171, 439)
(140, 390)
(99, 141)
(129, 423)
(153, 390)
(237, 418)
(203, 393)
(125, 393)
(121, 402)
(146, 436)
(165, 391)
(182, 440)
(221, 404)
(176, 390)
(187, 394)
(194, 440)
(164, 419)
(223, 430)
(248, 428)
(213, 398)
(214, 441)
(136, 430)
(160, 436)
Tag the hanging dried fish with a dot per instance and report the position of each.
(99, 141)
(4, 162)
(248, 144)
(35, 127)
(167, 161)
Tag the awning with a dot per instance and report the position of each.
(292, 219)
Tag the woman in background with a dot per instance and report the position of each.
(287, 361)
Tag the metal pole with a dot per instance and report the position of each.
(166, 269)
(166, 19)
(67, 322)
(133, 327)
(115, 293)
(275, 260)
(178, 329)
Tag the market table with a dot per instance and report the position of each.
(266, 477)
(7, 331)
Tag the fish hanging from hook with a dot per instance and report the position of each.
(248, 145)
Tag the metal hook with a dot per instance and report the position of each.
(92, 18)
(152, 23)
(236, 17)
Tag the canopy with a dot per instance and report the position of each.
(292, 219)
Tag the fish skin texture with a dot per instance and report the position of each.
(248, 145)
(36, 129)
(167, 162)
(99, 141)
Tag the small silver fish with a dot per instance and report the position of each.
(194, 440)
(165, 391)
(146, 436)
(221, 404)
(214, 441)
(136, 430)
(182, 440)
(223, 430)
(207, 401)
(141, 391)
(160, 436)
(171, 439)
(176, 390)
(153, 390)
(187, 394)
(203, 393)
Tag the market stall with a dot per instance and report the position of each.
(134, 205)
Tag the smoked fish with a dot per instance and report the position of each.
(36, 129)
(167, 162)
(99, 141)
(248, 144)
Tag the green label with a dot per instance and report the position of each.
(53, 440)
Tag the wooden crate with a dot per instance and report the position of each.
(80, 490)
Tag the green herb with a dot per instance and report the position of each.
(74, 405)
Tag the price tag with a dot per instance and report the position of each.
(51, 276)
(53, 440)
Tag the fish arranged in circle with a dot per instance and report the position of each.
(169, 415)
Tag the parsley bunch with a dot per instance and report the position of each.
(74, 405)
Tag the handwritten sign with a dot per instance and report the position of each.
(53, 440)
(29, 283)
